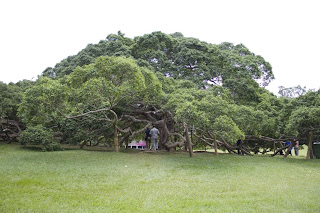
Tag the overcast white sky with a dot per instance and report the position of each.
(36, 34)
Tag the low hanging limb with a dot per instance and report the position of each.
(127, 129)
(205, 140)
(279, 150)
(129, 133)
(11, 130)
(169, 134)
(230, 148)
(153, 116)
(268, 139)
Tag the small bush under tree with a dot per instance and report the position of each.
(38, 135)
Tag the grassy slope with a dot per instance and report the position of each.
(130, 181)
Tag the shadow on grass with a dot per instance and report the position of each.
(104, 149)
(32, 148)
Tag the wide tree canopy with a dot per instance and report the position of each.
(110, 92)
(232, 66)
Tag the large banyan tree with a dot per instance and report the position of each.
(112, 91)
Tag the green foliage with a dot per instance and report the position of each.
(113, 45)
(243, 63)
(156, 49)
(201, 108)
(231, 66)
(10, 96)
(226, 129)
(105, 89)
(247, 120)
(153, 90)
(25, 84)
(303, 119)
(213, 87)
(39, 135)
(301, 114)
(310, 99)
(40, 101)
(190, 114)
(111, 82)
(242, 70)
(255, 122)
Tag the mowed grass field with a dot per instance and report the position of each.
(135, 181)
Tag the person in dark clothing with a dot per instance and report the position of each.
(147, 138)
(239, 145)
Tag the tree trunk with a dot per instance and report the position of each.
(191, 131)
(186, 145)
(115, 138)
(127, 141)
(309, 152)
(215, 144)
(279, 150)
(82, 144)
(288, 150)
(188, 141)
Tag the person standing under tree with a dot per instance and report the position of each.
(239, 145)
(154, 132)
(147, 138)
(296, 148)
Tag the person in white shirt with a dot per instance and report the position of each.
(154, 132)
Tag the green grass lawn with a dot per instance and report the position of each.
(135, 181)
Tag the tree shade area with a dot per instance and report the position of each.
(197, 94)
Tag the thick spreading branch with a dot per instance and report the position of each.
(279, 150)
(10, 130)
(267, 139)
(231, 149)
(87, 114)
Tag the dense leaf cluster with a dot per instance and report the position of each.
(39, 135)
(232, 66)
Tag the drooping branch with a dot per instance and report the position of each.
(206, 139)
(10, 130)
(86, 114)
(141, 130)
(228, 146)
(231, 149)
(161, 119)
(268, 139)
(219, 143)
(167, 134)
(279, 150)
(134, 120)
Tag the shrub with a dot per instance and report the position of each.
(39, 135)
